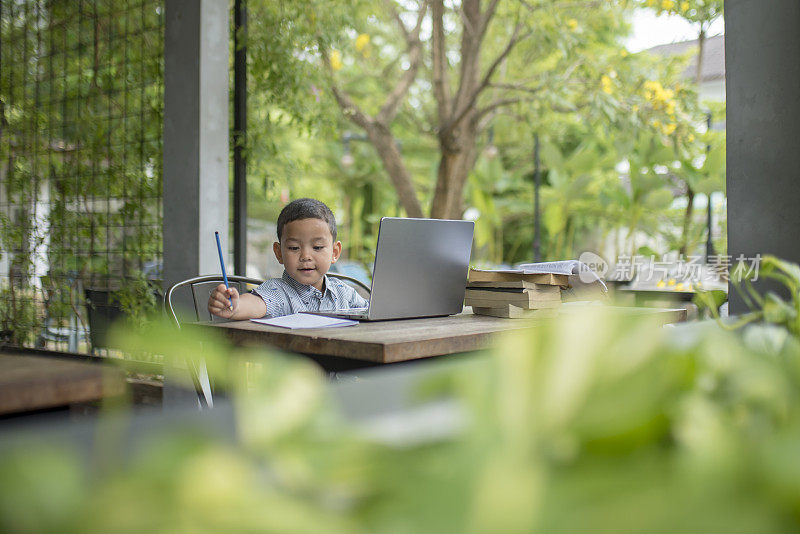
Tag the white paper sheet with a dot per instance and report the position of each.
(579, 273)
(305, 320)
(576, 270)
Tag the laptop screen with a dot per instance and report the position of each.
(421, 267)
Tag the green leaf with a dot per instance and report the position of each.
(777, 311)
(658, 200)
(551, 155)
(715, 159)
(583, 159)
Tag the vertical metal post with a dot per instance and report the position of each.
(710, 224)
(537, 177)
(240, 137)
(709, 214)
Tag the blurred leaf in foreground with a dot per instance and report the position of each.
(594, 423)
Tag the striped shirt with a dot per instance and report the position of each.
(285, 295)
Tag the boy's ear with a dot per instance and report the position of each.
(337, 249)
(276, 248)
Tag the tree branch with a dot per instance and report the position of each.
(470, 56)
(420, 125)
(390, 6)
(581, 4)
(469, 28)
(441, 84)
(503, 102)
(523, 86)
(349, 108)
(389, 108)
(486, 17)
(516, 37)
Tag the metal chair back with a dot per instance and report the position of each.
(360, 287)
(201, 287)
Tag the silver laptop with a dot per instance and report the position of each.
(420, 270)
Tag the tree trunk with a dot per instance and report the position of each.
(386, 146)
(454, 167)
(458, 126)
(457, 113)
(701, 44)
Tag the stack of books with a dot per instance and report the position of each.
(514, 294)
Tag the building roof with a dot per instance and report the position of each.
(713, 57)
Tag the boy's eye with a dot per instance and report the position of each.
(293, 248)
(319, 247)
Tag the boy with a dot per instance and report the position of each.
(306, 247)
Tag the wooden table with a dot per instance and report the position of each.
(382, 342)
(29, 383)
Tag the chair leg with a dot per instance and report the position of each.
(202, 384)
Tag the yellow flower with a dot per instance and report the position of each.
(336, 60)
(684, 7)
(623, 53)
(668, 129)
(660, 98)
(666, 5)
(652, 90)
(651, 3)
(607, 84)
(679, 287)
(660, 284)
(635, 108)
(362, 41)
(572, 24)
(691, 137)
(671, 282)
(657, 123)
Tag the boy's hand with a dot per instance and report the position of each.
(218, 302)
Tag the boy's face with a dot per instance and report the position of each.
(307, 250)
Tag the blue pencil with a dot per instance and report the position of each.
(222, 264)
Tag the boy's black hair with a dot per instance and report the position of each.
(306, 208)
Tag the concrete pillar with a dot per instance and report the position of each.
(195, 136)
(762, 64)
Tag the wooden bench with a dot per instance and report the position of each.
(30, 383)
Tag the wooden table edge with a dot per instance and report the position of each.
(34, 394)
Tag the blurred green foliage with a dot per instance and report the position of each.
(81, 119)
(593, 104)
(779, 306)
(21, 315)
(596, 423)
